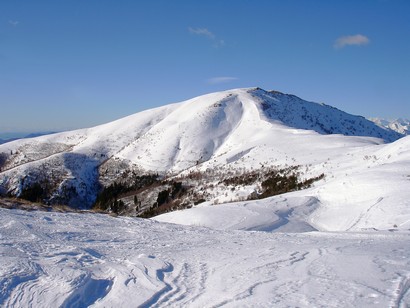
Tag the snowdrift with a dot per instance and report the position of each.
(81, 260)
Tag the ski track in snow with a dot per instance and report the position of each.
(81, 260)
(402, 289)
(362, 215)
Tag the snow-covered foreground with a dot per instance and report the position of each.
(51, 259)
(284, 213)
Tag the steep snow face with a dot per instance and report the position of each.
(242, 127)
(295, 112)
(51, 259)
(191, 134)
(401, 126)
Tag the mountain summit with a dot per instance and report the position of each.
(247, 127)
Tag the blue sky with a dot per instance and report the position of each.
(78, 63)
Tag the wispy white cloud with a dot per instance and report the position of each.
(351, 40)
(14, 23)
(225, 79)
(202, 31)
(216, 42)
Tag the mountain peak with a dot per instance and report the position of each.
(297, 113)
(248, 126)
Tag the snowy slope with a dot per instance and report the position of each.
(53, 259)
(244, 126)
(341, 243)
(71, 159)
(364, 188)
(285, 213)
(324, 119)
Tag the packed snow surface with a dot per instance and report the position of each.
(51, 259)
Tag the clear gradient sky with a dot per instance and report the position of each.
(77, 63)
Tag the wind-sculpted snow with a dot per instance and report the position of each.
(51, 259)
(276, 214)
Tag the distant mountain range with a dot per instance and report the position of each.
(227, 146)
(401, 126)
(31, 135)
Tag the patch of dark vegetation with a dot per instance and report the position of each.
(280, 183)
(109, 197)
(3, 160)
(33, 193)
(199, 201)
(22, 204)
(36, 191)
(308, 182)
(243, 179)
(171, 199)
(272, 181)
(277, 183)
(147, 195)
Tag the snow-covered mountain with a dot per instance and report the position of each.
(210, 145)
(401, 126)
(286, 202)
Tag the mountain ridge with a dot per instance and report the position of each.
(24, 136)
(239, 129)
(402, 126)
